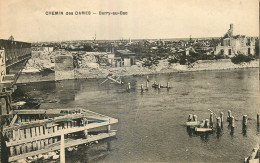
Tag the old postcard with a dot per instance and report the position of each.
(129, 81)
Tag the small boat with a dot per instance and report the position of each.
(193, 123)
(155, 85)
(203, 129)
(164, 86)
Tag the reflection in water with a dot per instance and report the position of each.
(204, 137)
(232, 132)
(93, 152)
(190, 131)
(219, 132)
(244, 130)
(66, 91)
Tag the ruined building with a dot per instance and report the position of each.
(231, 45)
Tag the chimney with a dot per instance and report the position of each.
(231, 29)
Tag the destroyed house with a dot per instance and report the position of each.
(124, 58)
(230, 45)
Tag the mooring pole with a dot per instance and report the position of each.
(258, 119)
(128, 86)
(229, 115)
(221, 119)
(232, 121)
(244, 123)
(195, 118)
(62, 149)
(190, 118)
(142, 87)
(211, 120)
(206, 123)
(218, 123)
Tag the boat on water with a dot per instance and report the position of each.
(155, 85)
(160, 86)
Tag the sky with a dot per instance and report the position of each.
(27, 21)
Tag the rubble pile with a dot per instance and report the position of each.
(39, 61)
(88, 61)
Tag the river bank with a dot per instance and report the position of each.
(162, 67)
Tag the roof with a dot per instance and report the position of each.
(125, 52)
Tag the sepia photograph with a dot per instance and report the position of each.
(118, 81)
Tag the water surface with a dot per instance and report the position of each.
(151, 124)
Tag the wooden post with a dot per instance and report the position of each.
(12, 151)
(50, 131)
(41, 134)
(195, 118)
(258, 119)
(46, 132)
(211, 120)
(34, 144)
(168, 84)
(21, 138)
(128, 86)
(202, 123)
(37, 133)
(229, 116)
(190, 118)
(232, 120)
(55, 130)
(108, 128)
(28, 135)
(244, 123)
(218, 123)
(142, 87)
(16, 136)
(62, 149)
(222, 119)
(206, 123)
(85, 122)
(159, 86)
(147, 85)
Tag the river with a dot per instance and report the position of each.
(151, 124)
